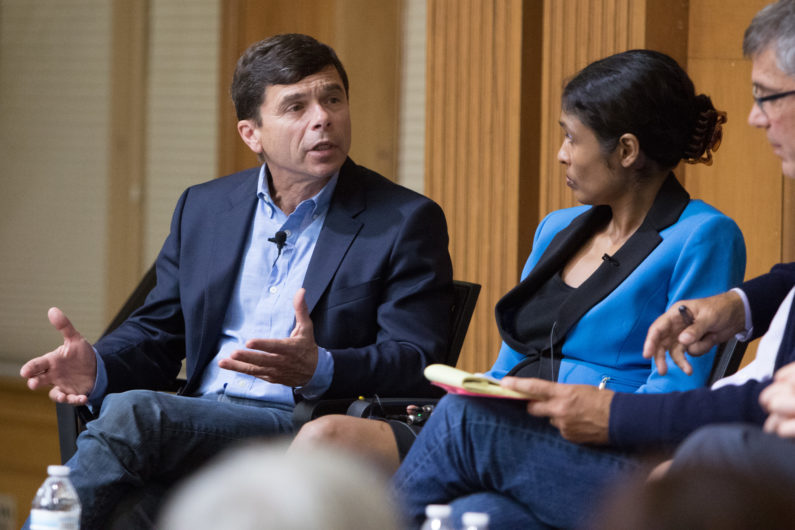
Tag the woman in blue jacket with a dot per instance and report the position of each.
(581, 311)
(599, 274)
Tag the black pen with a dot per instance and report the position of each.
(687, 316)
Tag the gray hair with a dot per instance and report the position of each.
(774, 25)
(263, 486)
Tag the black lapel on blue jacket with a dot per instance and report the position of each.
(339, 231)
(668, 206)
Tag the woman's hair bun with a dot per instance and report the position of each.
(646, 93)
(707, 132)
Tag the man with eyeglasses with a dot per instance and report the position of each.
(772, 90)
(764, 391)
(762, 306)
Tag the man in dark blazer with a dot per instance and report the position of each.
(307, 277)
(762, 305)
(764, 391)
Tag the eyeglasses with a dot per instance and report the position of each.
(772, 97)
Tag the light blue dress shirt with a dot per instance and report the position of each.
(262, 300)
(261, 305)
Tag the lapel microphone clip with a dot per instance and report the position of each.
(280, 238)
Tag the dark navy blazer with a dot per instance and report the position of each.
(379, 287)
(662, 419)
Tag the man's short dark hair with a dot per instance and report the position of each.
(279, 60)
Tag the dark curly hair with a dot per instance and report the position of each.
(648, 94)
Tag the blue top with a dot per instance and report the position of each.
(602, 326)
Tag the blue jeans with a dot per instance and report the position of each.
(743, 448)
(143, 437)
(489, 455)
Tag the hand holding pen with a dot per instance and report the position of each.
(686, 314)
(693, 327)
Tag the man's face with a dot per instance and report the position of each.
(305, 130)
(777, 117)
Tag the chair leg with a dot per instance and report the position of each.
(68, 430)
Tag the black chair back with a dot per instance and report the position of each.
(727, 359)
(466, 297)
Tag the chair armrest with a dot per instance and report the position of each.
(727, 359)
(71, 421)
(310, 409)
(67, 430)
(381, 407)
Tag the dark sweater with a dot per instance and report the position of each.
(646, 421)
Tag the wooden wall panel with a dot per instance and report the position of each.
(746, 172)
(717, 27)
(366, 37)
(577, 32)
(481, 139)
(745, 182)
(705, 36)
(127, 151)
(29, 442)
(491, 151)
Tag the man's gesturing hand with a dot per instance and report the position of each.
(70, 369)
(290, 361)
(715, 319)
(580, 412)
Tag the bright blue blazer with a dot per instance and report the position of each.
(683, 249)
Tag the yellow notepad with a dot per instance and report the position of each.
(458, 381)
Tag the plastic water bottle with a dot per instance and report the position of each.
(437, 517)
(56, 505)
(475, 521)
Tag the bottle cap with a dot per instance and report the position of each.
(438, 510)
(475, 519)
(58, 471)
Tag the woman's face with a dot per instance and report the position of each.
(590, 174)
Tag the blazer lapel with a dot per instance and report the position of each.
(337, 234)
(668, 206)
(231, 225)
(565, 244)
